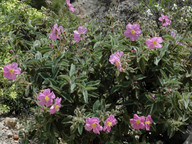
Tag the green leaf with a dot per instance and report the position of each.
(93, 94)
(173, 82)
(44, 75)
(164, 49)
(139, 77)
(96, 106)
(115, 89)
(44, 50)
(80, 128)
(142, 64)
(72, 87)
(66, 77)
(164, 74)
(93, 83)
(38, 56)
(37, 43)
(169, 37)
(90, 88)
(67, 97)
(72, 70)
(186, 103)
(80, 85)
(85, 95)
(55, 88)
(157, 60)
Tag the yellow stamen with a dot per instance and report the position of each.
(132, 31)
(138, 121)
(56, 32)
(148, 122)
(56, 107)
(46, 98)
(154, 42)
(94, 125)
(81, 35)
(117, 64)
(109, 123)
(11, 71)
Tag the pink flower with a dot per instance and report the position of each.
(110, 121)
(56, 106)
(133, 50)
(80, 34)
(115, 59)
(93, 124)
(153, 96)
(133, 31)
(138, 122)
(148, 122)
(70, 6)
(135, 82)
(179, 43)
(154, 42)
(11, 51)
(170, 90)
(172, 34)
(56, 32)
(165, 21)
(46, 97)
(11, 70)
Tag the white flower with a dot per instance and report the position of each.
(174, 7)
(148, 12)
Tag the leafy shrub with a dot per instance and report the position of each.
(154, 82)
(20, 26)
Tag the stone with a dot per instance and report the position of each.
(15, 137)
(1, 133)
(122, 10)
(10, 122)
(9, 134)
(1, 126)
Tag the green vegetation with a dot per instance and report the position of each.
(89, 85)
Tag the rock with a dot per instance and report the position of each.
(189, 131)
(9, 134)
(1, 126)
(15, 137)
(188, 140)
(10, 122)
(122, 10)
(1, 133)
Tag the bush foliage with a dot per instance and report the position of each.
(89, 85)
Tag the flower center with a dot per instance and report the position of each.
(148, 122)
(11, 71)
(46, 98)
(138, 121)
(154, 42)
(117, 64)
(81, 35)
(109, 123)
(56, 31)
(93, 125)
(56, 106)
(132, 31)
(164, 20)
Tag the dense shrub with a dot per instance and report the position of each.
(20, 26)
(102, 74)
